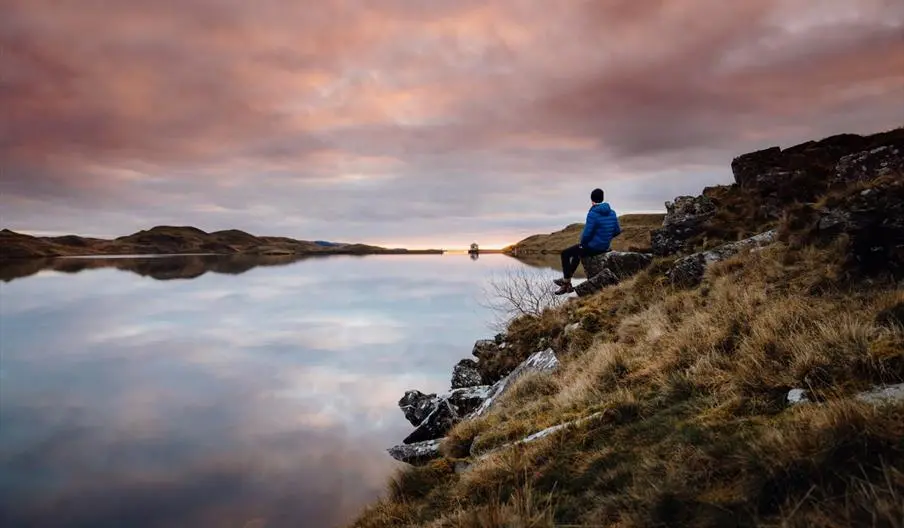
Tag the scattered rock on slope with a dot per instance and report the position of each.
(435, 425)
(544, 361)
(417, 453)
(683, 219)
(689, 270)
(466, 374)
(417, 406)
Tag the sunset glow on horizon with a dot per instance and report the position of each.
(421, 124)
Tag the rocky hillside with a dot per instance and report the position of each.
(165, 240)
(747, 371)
(635, 236)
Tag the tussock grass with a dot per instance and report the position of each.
(693, 429)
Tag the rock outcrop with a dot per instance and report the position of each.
(539, 362)
(810, 167)
(873, 219)
(609, 268)
(689, 270)
(683, 219)
(466, 374)
(435, 425)
(433, 415)
(417, 406)
(876, 163)
(465, 401)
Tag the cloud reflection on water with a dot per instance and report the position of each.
(223, 399)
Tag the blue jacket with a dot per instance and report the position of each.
(601, 227)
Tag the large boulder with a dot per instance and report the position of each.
(622, 263)
(684, 218)
(609, 268)
(875, 163)
(416, 406)
(466, 374)
(541, 362)
(689, 270)
(417, 453)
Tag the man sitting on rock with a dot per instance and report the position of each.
(599, 230)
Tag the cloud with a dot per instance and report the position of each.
(396, 121)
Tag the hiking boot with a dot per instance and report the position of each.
(561, 282)
(565, 288)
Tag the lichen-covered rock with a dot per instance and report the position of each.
(416, 405)
(804, 172)
(435, 425)
(873, 219)
(608, 268)
(466, 400)
(622, 263)
(883, 394)
(685, 209)
(596, 283)
(689, 270)
(543, 361)
(684, 218)
(870, 164)
(416, 454)
(466, 374)
(485, 348)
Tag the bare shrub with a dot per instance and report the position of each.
(520, 291)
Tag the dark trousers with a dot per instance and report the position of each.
(571, 258)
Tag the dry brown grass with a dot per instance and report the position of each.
(694, 429)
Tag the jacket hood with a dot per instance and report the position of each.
(602, 209)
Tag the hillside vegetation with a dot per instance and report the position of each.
(163, 240)
(685, 387)
(635, 235)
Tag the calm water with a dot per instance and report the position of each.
(220, 392)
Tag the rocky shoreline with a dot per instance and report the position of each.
(473, 393)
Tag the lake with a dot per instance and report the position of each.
(220, 391)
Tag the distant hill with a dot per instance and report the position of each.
(166, 240)
(635, 235)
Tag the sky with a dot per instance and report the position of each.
(410, 122)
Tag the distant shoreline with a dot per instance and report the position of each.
(182, 240)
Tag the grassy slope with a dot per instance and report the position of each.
(635, 234)
(694, 430)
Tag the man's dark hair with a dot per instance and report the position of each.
(597, 196)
